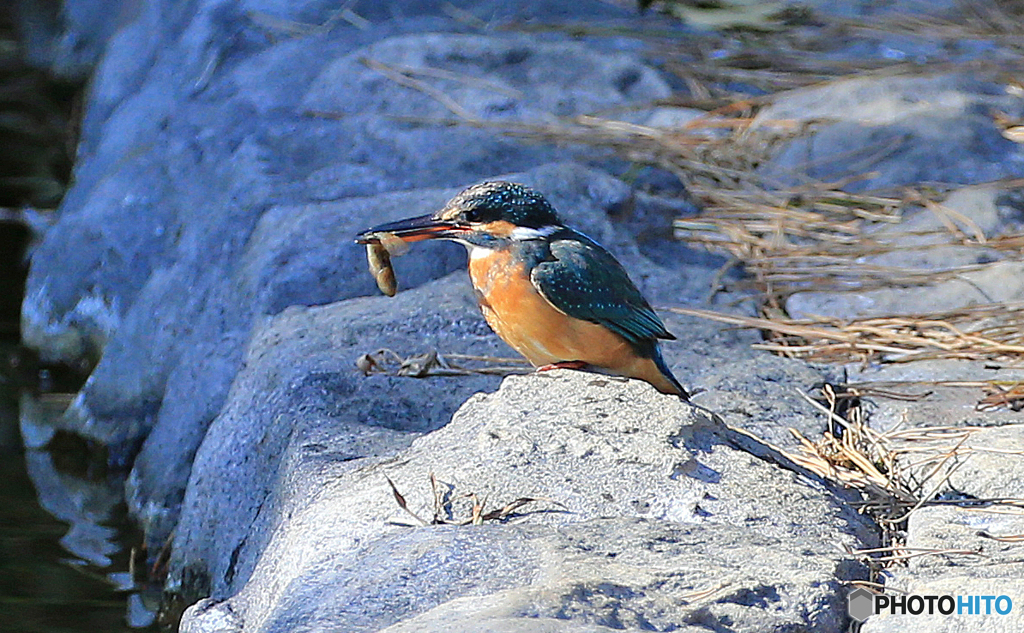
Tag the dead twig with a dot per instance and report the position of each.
(433, 363)
(477, 514)
(400, 500)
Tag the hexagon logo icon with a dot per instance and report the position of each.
(860, 604)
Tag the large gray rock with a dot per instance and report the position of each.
(1000, 282)
(987, 467)
(904, 130)
(654, 504)
(298, 389)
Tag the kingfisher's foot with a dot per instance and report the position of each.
(565, 364)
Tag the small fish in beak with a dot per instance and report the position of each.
(380, 247)
(424, 227)
(392, 240)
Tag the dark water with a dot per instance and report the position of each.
(64, 540)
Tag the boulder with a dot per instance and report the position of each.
(643, 514)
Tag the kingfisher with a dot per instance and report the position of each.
(553, 294)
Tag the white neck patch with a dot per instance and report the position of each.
(479, 252)
(522, 233)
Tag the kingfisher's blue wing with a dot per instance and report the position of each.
(584, 281)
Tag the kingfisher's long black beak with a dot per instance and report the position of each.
(424, 227)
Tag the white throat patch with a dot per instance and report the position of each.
(479, 252)
(522, 233)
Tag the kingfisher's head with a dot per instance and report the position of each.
(482, 215)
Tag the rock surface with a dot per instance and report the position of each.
(642, 511)
(892, 127)
(966, 272)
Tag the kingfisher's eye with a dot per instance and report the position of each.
(472, 215)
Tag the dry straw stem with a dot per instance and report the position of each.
(1007, 538)
(694, 596)
(278, 26)
(981, 332)
(1001, 394)
(901, 553)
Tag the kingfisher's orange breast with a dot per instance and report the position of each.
(524, 319)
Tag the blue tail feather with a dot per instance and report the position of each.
(663, 367)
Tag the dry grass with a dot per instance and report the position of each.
(985, 332)
(822, 239)
(896, 472)
(1000, 21)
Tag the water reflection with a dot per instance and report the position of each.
(65, 542)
